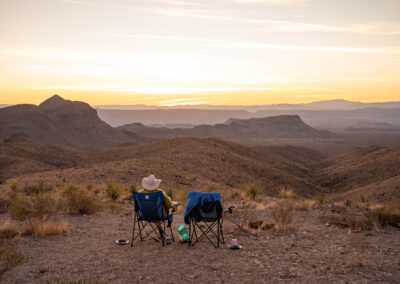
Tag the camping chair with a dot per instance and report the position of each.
(205, 216)
(149, 214)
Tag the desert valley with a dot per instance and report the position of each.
(312, 204)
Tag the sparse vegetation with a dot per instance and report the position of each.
(286, 192)
(4, 205)
(252, 191)
(348, 203)
(321, 198)
(76, 200)
(235, 195)
(9, 258)
(387, 217)
(241, 216)
(115, 207)
(283, 214)
(113, 190)
(8, 229)
(37, 188)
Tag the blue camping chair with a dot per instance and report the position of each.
(149, 214)
(206, 209)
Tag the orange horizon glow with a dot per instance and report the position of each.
(186, 52)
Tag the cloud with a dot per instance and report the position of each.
(384, 28)
(275, 2)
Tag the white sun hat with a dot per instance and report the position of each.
(150, 183)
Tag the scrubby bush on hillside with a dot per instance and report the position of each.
(37, 188)
(4, 205)
(241, 216)
(252, 191)
(321, 198)
(235, 195)
(76, 200)
(113, 190)
(386, 216)
(286, 191)
(282, 213)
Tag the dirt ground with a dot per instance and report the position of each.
(312, 252)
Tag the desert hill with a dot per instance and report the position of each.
(193, 163)
(285, 126)
(25, 157)
(360, 168)
(60, 121)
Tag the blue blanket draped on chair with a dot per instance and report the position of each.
(200, 198)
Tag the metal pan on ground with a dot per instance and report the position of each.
(122, 242)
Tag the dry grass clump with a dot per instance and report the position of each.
(8, 230)
(282, 214)
(38, 212)
(236, 195)
(9, 258)
(252, 191)
(115, 208)
(321, 198)
(77, 200)
(113, 190)
(4, 205)
(37, 188)
(43, 228)
(286, 192)
(387, 217)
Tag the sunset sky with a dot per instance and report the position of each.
(222, 52)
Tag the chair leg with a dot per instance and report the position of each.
(133, 230)
(218, 231)
(222, 233)
(172, 234)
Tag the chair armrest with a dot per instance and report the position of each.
(176, 206)
(229, 210)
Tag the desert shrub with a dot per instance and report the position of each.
(44, 228)
(4, 204)
(9, 258)
(348, 203)
(321, 198)
(241, 216)
(8, 230)
(115, 207)
(76, 200)
(89, 186)
(37, 188)
(286, 191)
(252, 191)
(113, 190)
(21, 208)
(14, 186)
(282, 213)
(235, 195)
(386, 216)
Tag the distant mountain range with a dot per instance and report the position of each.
(76, 124)
(285, 126)
(336, 114)
(338, 104)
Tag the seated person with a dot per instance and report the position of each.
(150, 185)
